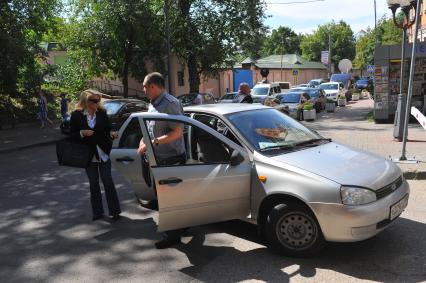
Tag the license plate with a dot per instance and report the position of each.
(398, 208)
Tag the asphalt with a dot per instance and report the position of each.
(348, 125)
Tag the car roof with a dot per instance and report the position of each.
(124, 100)
(331, 83)
(224, 108)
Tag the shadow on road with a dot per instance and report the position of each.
(395, 252)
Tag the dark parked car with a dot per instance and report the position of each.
(363, 83)
(315, 94)
(196, 99)
(117, 110)
(259, 98)
(228, 97)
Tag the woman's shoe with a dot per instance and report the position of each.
(97, 217)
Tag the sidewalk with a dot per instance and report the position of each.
(349, 125)
(28, 136)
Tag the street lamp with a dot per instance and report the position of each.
(282, 51)
(406, 6)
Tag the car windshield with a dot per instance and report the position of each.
(290, 97)
(269, 131)
(313, 92)
(362, 81)
(112, 107)
(260, 91)
(315, 83)
(329, 86)
(187, 98)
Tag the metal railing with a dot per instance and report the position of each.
(115, 89)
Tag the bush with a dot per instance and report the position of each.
(329, 100)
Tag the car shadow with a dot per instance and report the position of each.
(393, 255)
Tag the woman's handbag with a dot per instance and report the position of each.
(73, 154)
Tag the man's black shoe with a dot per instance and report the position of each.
(166, 243)
(97, 217)
(115, 217)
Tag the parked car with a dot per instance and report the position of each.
(333, 90)
(291, 101)
(345, 79)
(228, 97)
(315, 94)
(316, 82)
(118, 110)
(259, 98)
(285, 86)
(363, 83)
(254, 163)
(266, 89)
(196, 98)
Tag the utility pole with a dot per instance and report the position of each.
(375, 15)
(329, 53)
(282, 51)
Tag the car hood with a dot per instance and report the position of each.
(330, 91)
(291, 105)
(344, 165)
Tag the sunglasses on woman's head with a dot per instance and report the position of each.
(94, 100)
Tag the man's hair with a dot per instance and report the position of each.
(156, 79)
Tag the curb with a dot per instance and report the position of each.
(17, 148)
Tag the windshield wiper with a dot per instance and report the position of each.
(312, 142)
(275, 147)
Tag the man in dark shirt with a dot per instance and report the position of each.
(166, 136)
(244, 95)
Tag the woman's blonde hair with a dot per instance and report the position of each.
(84, 97)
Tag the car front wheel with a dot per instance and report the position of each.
(292, 229)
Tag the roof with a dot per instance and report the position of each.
(289, 61)
(224, 108)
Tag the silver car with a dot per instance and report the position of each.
(254, 163)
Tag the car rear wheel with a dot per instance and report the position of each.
(293, 230)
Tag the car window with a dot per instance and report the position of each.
(112, 107)
(217, 125)
(269, 130)
(260, 90)
(131, 135)
(201, 147)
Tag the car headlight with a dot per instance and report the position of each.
(356, 196)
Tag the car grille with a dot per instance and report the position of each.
(388, 189)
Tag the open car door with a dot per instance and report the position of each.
(129, 163)
(213, 185)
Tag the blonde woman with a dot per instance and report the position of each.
(90, 124)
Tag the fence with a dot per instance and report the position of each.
(115, 89)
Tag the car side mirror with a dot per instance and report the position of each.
(236, 158)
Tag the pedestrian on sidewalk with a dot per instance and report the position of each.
(90, 124)
(166, 137)
(64, 106)
(42, 109)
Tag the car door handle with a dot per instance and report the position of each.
(125, 159)
(170, 181)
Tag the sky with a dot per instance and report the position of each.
(305, 17)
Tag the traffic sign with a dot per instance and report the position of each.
(370, 68)
(295, 72)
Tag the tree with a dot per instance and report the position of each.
(386, 33)
(23, 23)
(282, 40)
(342, 42)
(207, 33)
(117, 36)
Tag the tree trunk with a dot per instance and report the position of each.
(191, 58)
(128, 54)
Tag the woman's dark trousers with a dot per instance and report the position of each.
(104, 169)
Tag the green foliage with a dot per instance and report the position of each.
(116, 36)
(308, 106)
(386, 33)
(207, 33)
(342, 42)
(329, 100)
(22, 23)
(282, 40)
